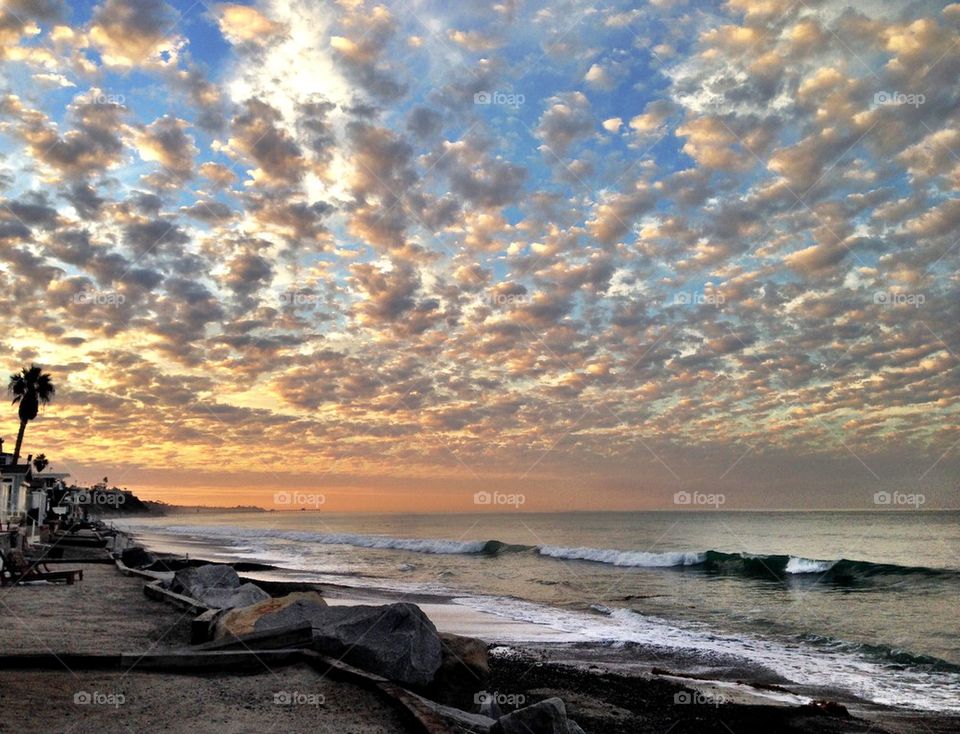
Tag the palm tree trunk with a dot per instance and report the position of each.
(16, 451)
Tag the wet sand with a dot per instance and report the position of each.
(604, 697)
(631, 689)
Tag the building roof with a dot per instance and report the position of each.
(54, 475)
(15, 469)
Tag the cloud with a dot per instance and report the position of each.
(567, 119)
(245, 24)
(712, 144)
(165, 141)
(614, 213)
(684, 225)
(368, 35)
(816, 258)
(479, 179)
(257, 134)
(475, 41)
(130, 33)
(613, 124)
(92, 146)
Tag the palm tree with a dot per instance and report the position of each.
(41, 462)
(31, 388)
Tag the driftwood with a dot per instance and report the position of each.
(210, 661)
(155, 591)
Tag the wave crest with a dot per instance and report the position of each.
(842, 571)
(636, 559)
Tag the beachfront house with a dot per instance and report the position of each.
(15, 487)
(44, 488)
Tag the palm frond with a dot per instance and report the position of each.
(32, 381)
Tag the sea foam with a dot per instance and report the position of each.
(637, 559)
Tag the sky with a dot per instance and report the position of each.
(384, 257)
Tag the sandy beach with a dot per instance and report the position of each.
(108, 613)
(105, 613)
(220, 704)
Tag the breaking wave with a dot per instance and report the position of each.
(710, 561)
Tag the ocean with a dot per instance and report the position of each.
(862, 602)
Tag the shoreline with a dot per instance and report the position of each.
(548, 657)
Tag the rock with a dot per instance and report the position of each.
(169, 565)
(828, 708)
(193, 582)
(545, 717)
(224, 598)
(464, 669)
(137, 557)
(285, 611)
(490, 707)
(461, 721)
(397, 641)
(574, 728)
(465, 653)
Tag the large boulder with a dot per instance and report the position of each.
(170, 565)
(545, 717)
(137, 557)
(488, 706)
(397, 641)
(467, 654)
(244, 595)
(460, 721)
(464, 669)
(294, 609)
(194, 581)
